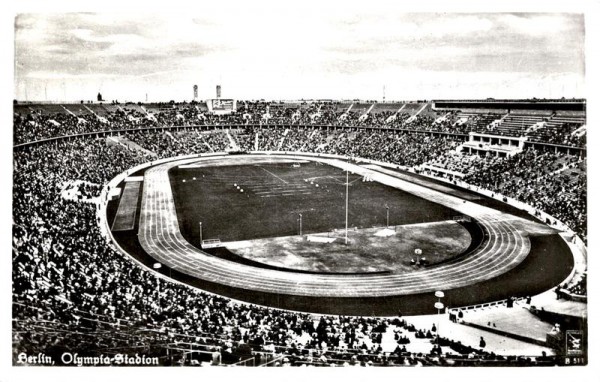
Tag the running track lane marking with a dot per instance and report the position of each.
(507, 247)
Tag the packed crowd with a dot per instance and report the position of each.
(72, 290)
(554, 183)
(568, 134)
(541, 180)
(165, 144)
(397, 147)
(580, 287)
(33, 124)
(64, 267)
(33, 127)
(459, 163)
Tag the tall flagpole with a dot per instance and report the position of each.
(346, 205)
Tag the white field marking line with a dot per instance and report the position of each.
(285, 187)
(279, 194)
(288, 194)
(289, 185)
(269, 172)
(282, 190)
(337, 181)
(276, 189)
(272, 196)
(261, 188)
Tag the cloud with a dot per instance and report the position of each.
(263, 50)
(540, 24)
(53, 75)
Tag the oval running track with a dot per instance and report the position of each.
(506, 246)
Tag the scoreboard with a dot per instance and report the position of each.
(221, 106)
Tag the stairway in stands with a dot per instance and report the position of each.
(232, 143)
(559, 124)
(99, 117)
(130, 144)
(516, 124)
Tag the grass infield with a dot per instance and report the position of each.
(274, 196)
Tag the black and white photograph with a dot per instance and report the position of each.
(309, 185)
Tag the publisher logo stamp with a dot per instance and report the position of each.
(574, 343)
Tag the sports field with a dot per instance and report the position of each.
(243, 202)
(504, 250)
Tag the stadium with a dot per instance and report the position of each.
(237, 232)
(245, 186)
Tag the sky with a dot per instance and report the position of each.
(297, 52)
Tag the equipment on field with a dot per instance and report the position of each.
(211, 243)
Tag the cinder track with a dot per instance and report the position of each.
(506, 245)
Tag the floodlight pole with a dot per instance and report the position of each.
(157, 266)
(387, 216)
(346, 242)
(439, 306)
(438, 327)
(200, 234)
